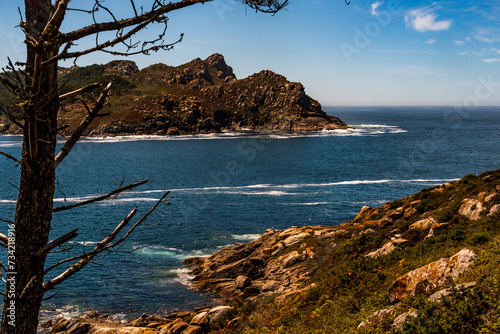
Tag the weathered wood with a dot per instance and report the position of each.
(78, 132)
(100, 198)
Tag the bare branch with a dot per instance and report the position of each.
(104, 246)
(4, 240)
(59, 241)
(11, 158)
(100, 198)
(102, 46)
(140, 221)
(124, 23)
(133, 6)
(79, 91)
(78, 132)
(100, 247)
(266, 6)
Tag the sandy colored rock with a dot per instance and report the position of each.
(200, 319)
(437, 296)
(471, 208)
(295, 239)
(494, 209)
(388, 247)
(423, 224)
(431, 277)
(377, 317)
(400, 320)
(217, 313)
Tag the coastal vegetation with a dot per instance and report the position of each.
(427, 263)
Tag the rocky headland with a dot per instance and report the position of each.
(431, 259)
(202, 96)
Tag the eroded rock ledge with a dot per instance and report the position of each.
(275, 263)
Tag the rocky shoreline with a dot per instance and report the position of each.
(202, 96)
(281, 265)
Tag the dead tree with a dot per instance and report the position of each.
(35, 85)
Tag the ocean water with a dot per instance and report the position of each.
(231, 187)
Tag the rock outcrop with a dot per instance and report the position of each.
(275, 263)
(431, 277)
(202, 96)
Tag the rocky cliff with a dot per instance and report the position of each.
(428, 261)
(202, 96)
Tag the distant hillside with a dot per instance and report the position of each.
(202, 96)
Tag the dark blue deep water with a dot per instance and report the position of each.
(232, 187)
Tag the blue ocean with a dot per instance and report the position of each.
(231, 187)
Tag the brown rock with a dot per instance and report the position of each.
(193, 329)
(219, 312)
(46, 324)
(61, 325)
(201, 319)
(79, 328)
(423, 224)
(175, 327)
(429, 278)
(242, 282)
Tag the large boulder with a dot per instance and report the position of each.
(175, 327)
(219, 312)
(471, 208)
(431, 277)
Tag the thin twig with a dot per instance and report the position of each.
(11, 158)
(100, 198)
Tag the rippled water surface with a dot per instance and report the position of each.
(231, 187)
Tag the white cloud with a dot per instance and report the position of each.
(488, 35)
(430, 41)
(457, 42)
(467, 39)
(374, 8)
(491, 60)
(424, 19)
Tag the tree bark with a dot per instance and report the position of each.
(24, 290)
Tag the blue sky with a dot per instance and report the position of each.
(370, 53)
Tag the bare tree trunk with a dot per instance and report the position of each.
(36, 190)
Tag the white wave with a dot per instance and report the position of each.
(105, 202)
(83, 243)
(375, 126)
(183, 275)
(273, 192)
(245, 237)
(10, 144)
(171, 253)
(309, 204)
(356, 130)
(7, 201)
